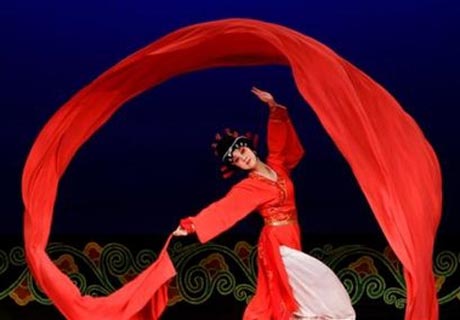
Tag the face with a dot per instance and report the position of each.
(244, 158)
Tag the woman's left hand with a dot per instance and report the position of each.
(180, 232)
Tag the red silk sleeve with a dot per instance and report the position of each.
(394, 164)
(284, 147)
(219, 216)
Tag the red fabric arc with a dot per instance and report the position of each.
(394, 164)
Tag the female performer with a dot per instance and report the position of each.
(290, 283)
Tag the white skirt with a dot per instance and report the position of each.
(317, 290)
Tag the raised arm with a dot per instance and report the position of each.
(219, 216)
(284, 147)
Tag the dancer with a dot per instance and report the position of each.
(290, 284)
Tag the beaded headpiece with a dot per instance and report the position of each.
(227, 142)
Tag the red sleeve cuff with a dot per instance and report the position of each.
(187, 225)
(278, 112)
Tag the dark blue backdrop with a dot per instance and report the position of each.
(151, 164)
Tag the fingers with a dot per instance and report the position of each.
(260, 93)
(179, 232)
(263, 95)
(256, 91)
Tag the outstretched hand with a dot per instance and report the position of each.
(263, 96)
(180, 232)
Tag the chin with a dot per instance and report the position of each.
(250, 166)
(247, 168)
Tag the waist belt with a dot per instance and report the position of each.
(271, 222)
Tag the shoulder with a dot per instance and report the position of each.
(251, 186)
(254, 191)
(247, 183)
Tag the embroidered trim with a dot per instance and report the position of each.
(276, 223)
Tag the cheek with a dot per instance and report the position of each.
(241, 164)
(238, 163)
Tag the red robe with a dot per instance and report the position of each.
(394, 164)
(275, 201)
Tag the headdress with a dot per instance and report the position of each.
(227, 142)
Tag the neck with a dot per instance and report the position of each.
(261, 167)
(264, 170)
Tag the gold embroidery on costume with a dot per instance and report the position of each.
(276, 215)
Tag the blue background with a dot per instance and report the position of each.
(151, 164)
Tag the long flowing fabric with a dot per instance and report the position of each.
(394, 164)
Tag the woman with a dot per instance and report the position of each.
(290, 284)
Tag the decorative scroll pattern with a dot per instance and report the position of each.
(206, 270)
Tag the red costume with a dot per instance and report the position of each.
(394, 164)
(275, 202)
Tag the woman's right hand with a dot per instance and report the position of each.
(264, 96)
(180, 232)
